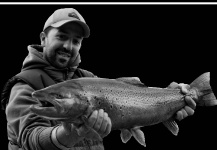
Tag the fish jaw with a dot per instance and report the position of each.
(67, 108)
(41, 109)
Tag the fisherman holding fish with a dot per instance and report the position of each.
(54, 61)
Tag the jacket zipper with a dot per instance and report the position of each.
(66, 74)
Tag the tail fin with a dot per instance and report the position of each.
(206, 96)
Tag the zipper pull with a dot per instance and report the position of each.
(67, 74)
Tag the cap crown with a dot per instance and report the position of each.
(63, 14)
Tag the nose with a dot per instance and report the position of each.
(68, 45)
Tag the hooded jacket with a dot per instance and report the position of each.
(27, 131)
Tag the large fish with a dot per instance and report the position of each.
(128, 102)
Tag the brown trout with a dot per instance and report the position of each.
(128, 102)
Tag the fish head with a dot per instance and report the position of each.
(61, 102)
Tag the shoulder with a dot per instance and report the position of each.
(11, 87)
(36, 78)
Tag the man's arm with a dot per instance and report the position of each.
(24, 127)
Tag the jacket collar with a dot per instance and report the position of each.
(35, 60)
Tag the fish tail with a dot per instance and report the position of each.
(204, 91)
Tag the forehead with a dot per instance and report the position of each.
(72, 28)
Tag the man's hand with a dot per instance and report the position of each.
(100, 122)
(67, 133)
(188, 110)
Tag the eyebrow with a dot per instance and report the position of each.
(64, 32)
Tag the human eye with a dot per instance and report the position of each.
(62, 37)
(76, 41)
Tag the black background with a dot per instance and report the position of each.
(157, 43)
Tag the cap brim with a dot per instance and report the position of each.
(84, 26)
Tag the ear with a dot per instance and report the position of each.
(42, 38)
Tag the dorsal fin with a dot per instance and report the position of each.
(132, 80)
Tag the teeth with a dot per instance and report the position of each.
(64, 54)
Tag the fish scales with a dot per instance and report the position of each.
(112, 88)
(127, 103)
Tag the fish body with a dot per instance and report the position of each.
(130, 105)
(128, 102)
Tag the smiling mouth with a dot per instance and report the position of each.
(64, 54)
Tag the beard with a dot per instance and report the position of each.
(61, 58)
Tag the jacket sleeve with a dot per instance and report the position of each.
(26, 129)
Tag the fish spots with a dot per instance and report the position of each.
(99, 102)
(122, 116)
(123, 111)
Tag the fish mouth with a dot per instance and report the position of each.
(43, 101)
(46, 107)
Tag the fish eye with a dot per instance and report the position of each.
(59, 96)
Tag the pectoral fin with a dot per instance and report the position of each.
(172, 126)
(138, 135)
(125, 135)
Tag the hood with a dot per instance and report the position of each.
(35, 60)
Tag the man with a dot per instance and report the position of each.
(56, 60)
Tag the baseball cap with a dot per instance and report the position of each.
(65, 15)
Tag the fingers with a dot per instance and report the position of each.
(104, 123)
(181, 114)
(107, 126)
(190, 102)
(100, 122)
(184, 87)
(184, 112)
(92, 119)
(189, 110)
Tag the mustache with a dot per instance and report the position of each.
(64, 50)
(71, 53)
